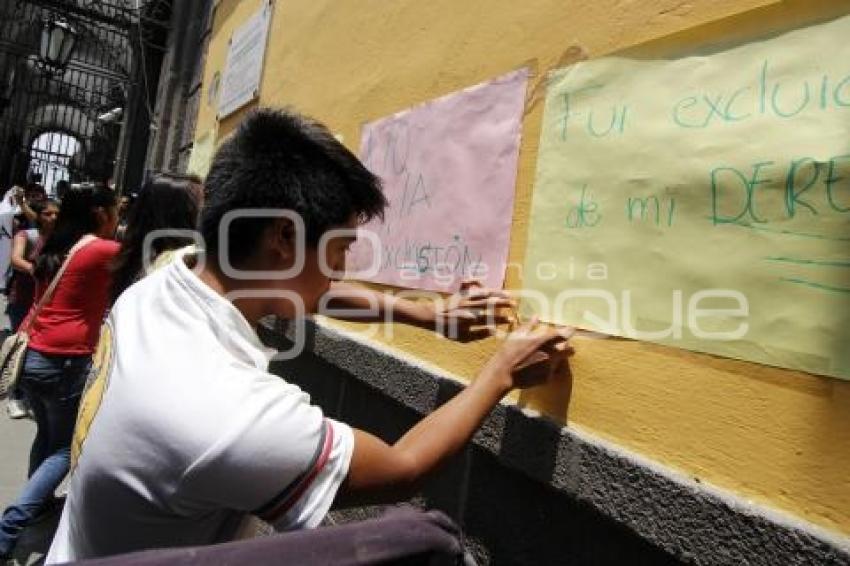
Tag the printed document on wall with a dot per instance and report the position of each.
(203, 150)
(245, 55)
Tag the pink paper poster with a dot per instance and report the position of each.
(449, 170)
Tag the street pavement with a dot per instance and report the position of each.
(15, 440)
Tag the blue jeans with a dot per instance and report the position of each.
(53, 385)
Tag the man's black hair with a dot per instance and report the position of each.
(278, 159)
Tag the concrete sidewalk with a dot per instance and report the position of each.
(15, 440)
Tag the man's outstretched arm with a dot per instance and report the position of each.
(380, 472)
(456, 315)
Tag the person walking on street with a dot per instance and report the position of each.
(74, 264)
(26, 246)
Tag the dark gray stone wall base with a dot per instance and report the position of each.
(528, 491)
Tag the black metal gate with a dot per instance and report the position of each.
(63, 120)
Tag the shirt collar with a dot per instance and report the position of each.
(230, 326)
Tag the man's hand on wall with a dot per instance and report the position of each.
(472, 313)
(532, 355)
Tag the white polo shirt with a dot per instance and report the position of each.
(192, 434)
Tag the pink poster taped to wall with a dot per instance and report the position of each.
(448, 169)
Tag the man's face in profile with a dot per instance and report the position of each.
(323, 264)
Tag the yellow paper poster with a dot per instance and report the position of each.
(702, 202)
(202, 154)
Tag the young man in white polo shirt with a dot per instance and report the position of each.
(193, 434)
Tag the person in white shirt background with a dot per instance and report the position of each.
(16, 211)
(13, 203)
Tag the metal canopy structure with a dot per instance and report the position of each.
(66, 121)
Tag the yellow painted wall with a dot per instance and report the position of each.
(778, 437)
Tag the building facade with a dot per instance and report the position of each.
(648, 454)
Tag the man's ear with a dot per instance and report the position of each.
(282, 235)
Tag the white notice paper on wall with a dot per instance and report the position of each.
(244, 68)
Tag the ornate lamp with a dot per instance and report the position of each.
(58, 40)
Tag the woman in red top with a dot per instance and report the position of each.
(62, 338)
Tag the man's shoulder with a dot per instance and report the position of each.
(157, 316)
(160, 286)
